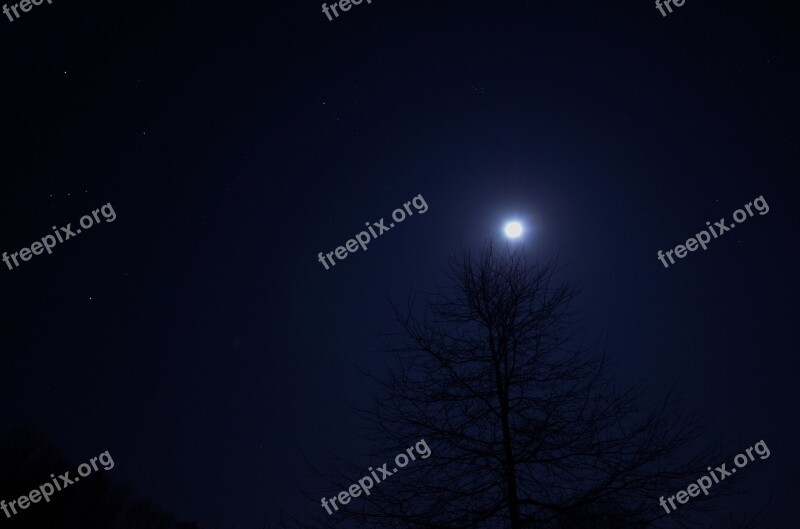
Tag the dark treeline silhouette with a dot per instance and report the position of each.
(28, 458)
(526, 423)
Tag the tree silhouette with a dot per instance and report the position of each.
(526, 425)
(27, 458)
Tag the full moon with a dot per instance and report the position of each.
(513, 230)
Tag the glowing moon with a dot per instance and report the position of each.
(513, 230)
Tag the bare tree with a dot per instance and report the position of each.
(526, 425)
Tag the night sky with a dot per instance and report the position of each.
(198, 338)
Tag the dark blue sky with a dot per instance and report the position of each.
(197, 337)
